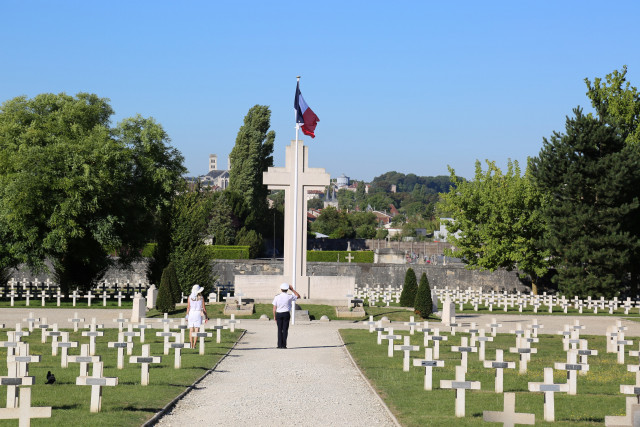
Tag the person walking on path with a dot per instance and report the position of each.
(196, 313)
(282, 312)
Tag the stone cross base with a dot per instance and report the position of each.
(328, 288)
(243, 310)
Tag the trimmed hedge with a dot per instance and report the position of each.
(148, 249)
(340, 256)
(228, 252)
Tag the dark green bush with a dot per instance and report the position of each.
(423, 305)
(410, 289)
(165, 302)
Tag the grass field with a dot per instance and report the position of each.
(597, 392)
(128, 403)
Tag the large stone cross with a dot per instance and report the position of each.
(295, 252)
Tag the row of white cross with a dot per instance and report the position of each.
(504, 300)
(19, 358)
(572, 344)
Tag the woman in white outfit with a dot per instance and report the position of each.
(196, 313)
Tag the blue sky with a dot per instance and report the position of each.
(406, 86)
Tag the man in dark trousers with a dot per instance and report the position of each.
(282, 312)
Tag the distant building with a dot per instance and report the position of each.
(342, 181)
(215, 179)
(442, 234)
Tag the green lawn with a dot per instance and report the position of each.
(128, 403)
(598, 391)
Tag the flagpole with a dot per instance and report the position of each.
(295, 217)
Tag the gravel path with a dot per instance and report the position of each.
(312, 383)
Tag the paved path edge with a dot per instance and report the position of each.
(152, 421)
(366, 380)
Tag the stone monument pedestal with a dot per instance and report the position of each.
(239, 310)
(329, 289)
(350, 312)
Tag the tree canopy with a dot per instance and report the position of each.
(592, 177)
(497, 222)
(74, 190)
(250, 157)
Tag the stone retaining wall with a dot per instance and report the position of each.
(373, 275)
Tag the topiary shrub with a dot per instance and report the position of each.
(165, 303)
(423, 306)
(410, 289)
(174, 285)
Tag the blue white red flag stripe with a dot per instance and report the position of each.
(305, 116)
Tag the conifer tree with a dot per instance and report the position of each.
(165, 303)
(424, 304)
(410, 288)
(592, 178)
(174, 285)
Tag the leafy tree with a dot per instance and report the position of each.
(250, 157)
(165, 302)
(381, 234)
(192, 259)
(361, 195)
(221, 221)
(366, 231)
(423, 305)
(497, 221)
(379, 201)
(73, 190)
(346, 199)
(333, 223)
(617, 103)
(410, 289)
(315, 204)
(592, 178)
(252, 239)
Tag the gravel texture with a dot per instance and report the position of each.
(312, 383)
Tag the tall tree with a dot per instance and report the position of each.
(250, 157)
(497, 221)
(592, 178)
(221, 220)
(73, 190)
(189, 226)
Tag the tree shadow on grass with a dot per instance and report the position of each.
(134, 409)
(380, 315)
(63, 407)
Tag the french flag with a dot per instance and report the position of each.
(305, 116)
